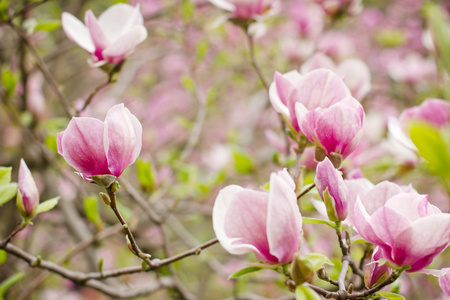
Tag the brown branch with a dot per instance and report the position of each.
(47, 75)
(253, 61)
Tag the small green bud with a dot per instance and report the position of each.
(301, 270)
(105, 198)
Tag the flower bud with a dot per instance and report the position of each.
(332, 190)
(376, 273)
(301, 270)
(444, 281)
(27, 194)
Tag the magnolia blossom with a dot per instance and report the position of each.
(408, 230)
(412, 68)
(435, 112)
(111, 37)
(245, 9)
(267, 224)
(333, 7)
(376, 271)
(444, 281)
(27, 194)
(93, 147)
(353, 71)
(320, 106)
(332, 190)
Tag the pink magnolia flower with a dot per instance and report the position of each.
(408, 230)
(27, 194)
(412, 68)
(93, 147)
(332, 190)
(433, 111)
(267, 224)
(376, 272)
(353, 71)
(336, 129)
(308, 17)
(111, 37)
(333, 7)
(245, 9)
(444, 281)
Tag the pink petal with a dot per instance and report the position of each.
(82, 146)
(387, 223)
(361, 220)
(28, 189)
(410, 205)
(356, 76)
(444, 281)
(317, 61)
(98, 37)
(379, 195)
(77, 32)
(337, 127)
(281, 88)
(119, 19)
(125, 44)
(355, 188)
(284, 222)
(422, 241)
(122, 138)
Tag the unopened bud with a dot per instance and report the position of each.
(336, 159)
(322, 274)
(319, 154)
(105, 198)
(129, 245)
(301, 270)
(104, 181)
(350, 288)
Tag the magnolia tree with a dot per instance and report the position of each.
(230, 149)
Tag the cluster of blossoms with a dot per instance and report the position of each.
(320, 105)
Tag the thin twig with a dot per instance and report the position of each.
(253, 61)
(48, 77)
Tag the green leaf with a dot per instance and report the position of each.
(243, 163)
(307, 220)
(3, 10)
(188, 83)
(8, 82)
(187, 10)
(305, 293)
(5, 285)
(202, 48)
(90, 205)
(49, 25)
(47, 205)
(3, 256)
(244, 271)
(432, 147)
(5, 175)
(389, 295)
(318, 260)
(146, 174)
(100, 265)
(7, 192)
(440, 31)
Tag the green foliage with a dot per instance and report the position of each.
(5, 175)
(48, 25)
(390, 38)
(187, 10)
(201, 50)
(305, 293)
(188, 83)
(388, 295)
(433, 146)
(90, 205)
(8, 82)
(440, 31)
(307, 220)
(243, 163)
(146, 174)
(5, 285)
(244, 271)
(3, 256)
(47, 205)
(7, 192)
(318, 260)
(3, 10)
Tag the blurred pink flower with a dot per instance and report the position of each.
(444, 281)
(332, 189)
(412, 68)
(333, 7)
(408, 230)
(308, 17)
(93, 147)
(353, 71)
(27, 194)
(433, 111)
(376, 272)
(337, 45)
(111, 37)
(245, 9)
(268, 224)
